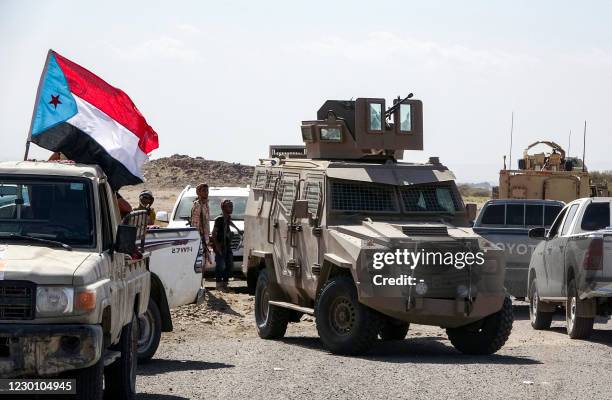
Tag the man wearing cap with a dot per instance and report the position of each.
(146, 200)
(200, 219)
(222, 245)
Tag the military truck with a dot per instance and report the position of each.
(320, 216)
(72, 282)
(546, 176)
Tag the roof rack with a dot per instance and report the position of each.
(288, 151)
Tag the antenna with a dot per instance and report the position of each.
(511, 134)
(584, 146)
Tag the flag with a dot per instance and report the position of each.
(89, 121)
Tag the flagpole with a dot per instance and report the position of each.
(40, 83)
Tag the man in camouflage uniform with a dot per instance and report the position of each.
(200, 219)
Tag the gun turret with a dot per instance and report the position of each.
(347, 129)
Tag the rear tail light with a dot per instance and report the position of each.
(593, 259)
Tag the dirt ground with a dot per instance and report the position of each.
(215, 353)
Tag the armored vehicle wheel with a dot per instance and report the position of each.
(149, 332)
(271, 320)
(393, 329)
(539, 319)
(120, 376)
(345, 326)
(88, 381)
(577, 327)
(485, 336)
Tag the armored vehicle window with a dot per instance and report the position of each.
(287, 194)
(494, 215)
(570, 217)
(405, 117)
(375, 119)
(331, 134)
(550, 213)
(312, 193)
(515, 214)
(596, 216)
(428, 198)
(534, 214)
(351, 196)
(271, 180)
(307, 133)
(54, 209)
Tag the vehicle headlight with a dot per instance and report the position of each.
(54, 300)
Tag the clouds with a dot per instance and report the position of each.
(384, 46)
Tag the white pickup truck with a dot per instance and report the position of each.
(181, 214)
(572, 267)
(175, 281)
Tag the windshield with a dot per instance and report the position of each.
(183, 211)
(373, 197)
(57, 210)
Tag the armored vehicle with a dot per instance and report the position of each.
(325, 221)
(546, 175)
(72, 280)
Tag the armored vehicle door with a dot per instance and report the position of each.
(308, 239)
(284, 252)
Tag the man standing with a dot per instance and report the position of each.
(200, 219)
(222, 244)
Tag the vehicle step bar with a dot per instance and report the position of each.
(305, 310)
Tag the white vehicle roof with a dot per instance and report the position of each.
(219, 191)
(50, 168)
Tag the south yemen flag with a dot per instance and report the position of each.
(89, 121)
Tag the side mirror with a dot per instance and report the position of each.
(537, 233)
(125, 241)
(300, 209)
(162, 216)
(470, 209)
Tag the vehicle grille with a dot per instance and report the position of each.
(349, 196)
(17, 300)
(424, 230)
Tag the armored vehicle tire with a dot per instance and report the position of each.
(485, 336)
(539, 320)
(120, 376)
(393, 329)
(88, 381)
(271, 320)
(577, 327)
(149, 332)
(345, 326)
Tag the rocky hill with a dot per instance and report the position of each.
(178, 171)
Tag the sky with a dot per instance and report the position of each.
(225, 79)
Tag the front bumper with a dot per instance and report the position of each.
(40, 350)
(447, 313)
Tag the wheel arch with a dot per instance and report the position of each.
(158, 295)
(330, 270)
